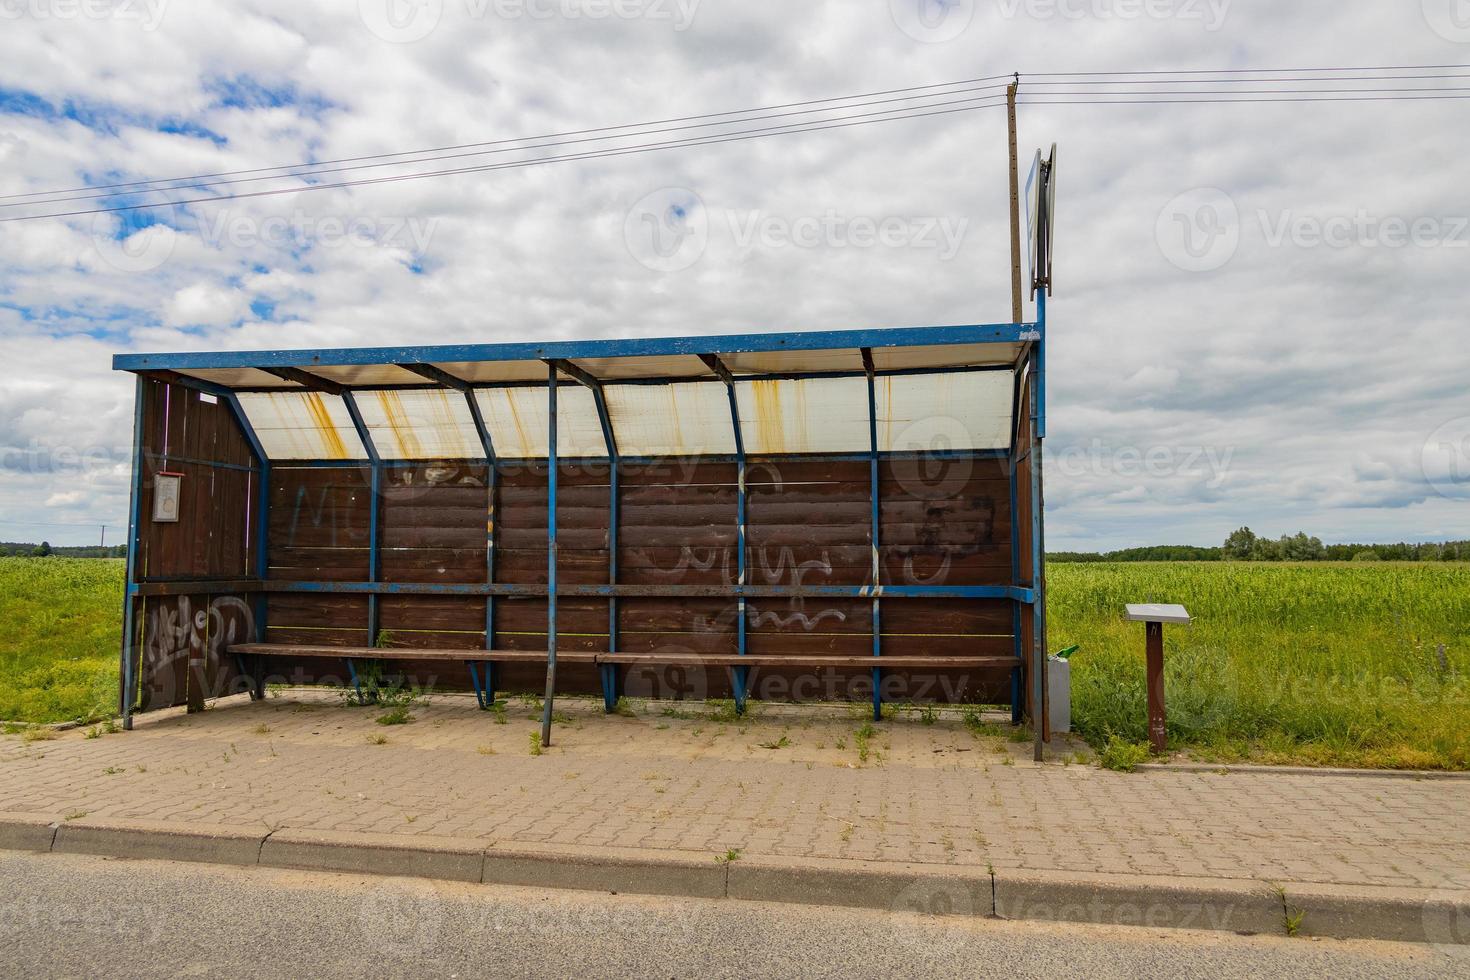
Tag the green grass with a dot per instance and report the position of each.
(60, 631)
(1320, 664)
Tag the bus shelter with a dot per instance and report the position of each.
(795, 516)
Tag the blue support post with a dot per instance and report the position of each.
(877, 580)
(492, 480)
(607, 672)
(741, 674)
(375, 462)
(1038, 561)
(475, 683)
(130, 601)
(258, 602)
(550, 556)
(1017, 694)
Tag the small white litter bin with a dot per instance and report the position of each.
(1059, 694)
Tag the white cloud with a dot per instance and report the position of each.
(1313, 374)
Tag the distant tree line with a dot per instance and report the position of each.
(29, 549)
(1244, 545)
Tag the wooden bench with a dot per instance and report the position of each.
(485, 692)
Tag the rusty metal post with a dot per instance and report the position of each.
(1156, 729)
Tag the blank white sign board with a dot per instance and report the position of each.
(1153, 612)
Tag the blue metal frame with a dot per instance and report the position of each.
(740, 675)
(1038, 526)
(135, 503)
(551, 590)
(877, 571)
(608, 672)
(991, 333)
(1012, 592)
(375, 463)
(343, 464)
(260, 609)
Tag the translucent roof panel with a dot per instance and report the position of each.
(494, 372)
(669, 366)
(815, 415)
(432, 423)
(938, 412)
(302, 425)
(362, 375)
(685, 419)
(794, 361)
(948, 355)
(240, 378)
(518, 418)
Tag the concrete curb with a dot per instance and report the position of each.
(919, 888)
(1139, 900)
(1299, 771)
(27, 831)
(1236, 905)
(159, 841)
(642, 872)
(377, 854)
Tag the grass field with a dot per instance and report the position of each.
(1320, 663)
(60, 627)
(1327, 664)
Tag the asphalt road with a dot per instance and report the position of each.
(65, 915)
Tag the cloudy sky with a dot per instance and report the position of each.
(1241, 332)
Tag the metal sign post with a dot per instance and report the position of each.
(1154, 616)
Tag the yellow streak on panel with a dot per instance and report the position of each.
(409, 446)
(336, 449)
(768, 416)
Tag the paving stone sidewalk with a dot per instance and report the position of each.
(801, 782)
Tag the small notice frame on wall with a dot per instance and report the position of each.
(166, 495)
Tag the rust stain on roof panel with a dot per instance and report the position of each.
(322, 419)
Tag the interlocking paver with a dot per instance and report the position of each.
(928, 793)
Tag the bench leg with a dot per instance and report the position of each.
(475, 680)
(877, 694)
(243, 672)
(258, 692)
(609, 688)
(1016, 695)
(356, 684)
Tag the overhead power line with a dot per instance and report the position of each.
(515, 164)
(503, 149)
(544, 136)
(1036, 90)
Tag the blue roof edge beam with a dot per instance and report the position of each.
(993, 333)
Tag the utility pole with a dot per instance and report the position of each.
(1016, 310)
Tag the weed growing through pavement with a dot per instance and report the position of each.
(399, 715)
(1121, 755)
(535, 739)
(1291, 915)
(861, 738)
(777, 743)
